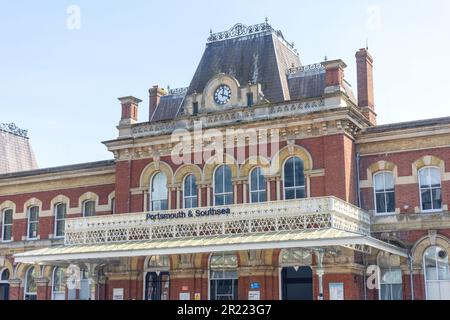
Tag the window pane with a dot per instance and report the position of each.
(390, 202)
(227, 179)
(89, 208)
(7, 233)
(61, 211)
(424, 178)
(218, 180)
(300, 193)
(262, 196)
(299, 177)
(290, 194)
(33, 230)
(60, 228)
(289, 173)
(379, 182)
(426, 199)
(8, 218)
(219, 200)
(228, 198)
(388, 180)
(159, 187)
(254, 179)
(435, 177)
(437, 198)
(34, 213)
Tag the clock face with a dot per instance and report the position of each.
(222, 94)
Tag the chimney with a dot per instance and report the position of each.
(334, 75)
(155, 94)
(129, 110)
(364, 73)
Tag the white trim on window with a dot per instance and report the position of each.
(257, 191)
(191, 197)
(162, 199)
(4, 225)
(84, 207)
(384, 192)
(28, 274)
(60, 293)
(29, 223)
(223, 193)
(55, 212)
(294, 187)
(430, 188)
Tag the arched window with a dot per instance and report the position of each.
(430, 189)
(60, 212)
(294, 179)
(158, 262)
(190, 192)
(7, 222)
(157, 278)
(30, 289)
(223, 188)
(4, 275)
(89, 208)
(159, 192)
(257, 186)
(295, 257)
(58, 288)
(384, 192)
(437, 273)
(223, 276)
(390, 277)
(4, 285)
(33, 222)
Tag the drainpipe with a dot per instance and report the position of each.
(411, 275)
(358, 187)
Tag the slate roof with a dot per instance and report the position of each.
(262, 58)
(16, 153)
(168, 107)
(408, 125)
(80, 166)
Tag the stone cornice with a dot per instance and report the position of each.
(408, 222)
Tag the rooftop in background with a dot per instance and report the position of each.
(16, 153)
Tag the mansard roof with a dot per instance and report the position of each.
(16, 153)
(256, 54)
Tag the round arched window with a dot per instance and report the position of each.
(437, 273)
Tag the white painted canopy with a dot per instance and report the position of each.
(269, 240)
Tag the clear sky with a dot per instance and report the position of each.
(62, 83)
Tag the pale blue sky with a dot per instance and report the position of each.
(62, 85)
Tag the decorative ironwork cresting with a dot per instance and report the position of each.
(277, 216)
(178, 91)
(311, 67)
(13, 129)
(240, 29)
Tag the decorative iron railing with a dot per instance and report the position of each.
(277, 216)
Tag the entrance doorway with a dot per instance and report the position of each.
(157, 285)
(297, 283)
